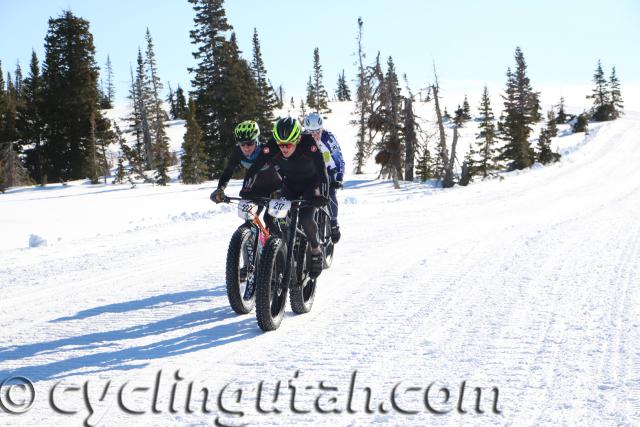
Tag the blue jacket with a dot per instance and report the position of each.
(332, 154)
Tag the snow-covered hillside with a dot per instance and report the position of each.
(526, 285)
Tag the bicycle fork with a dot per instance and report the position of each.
(290, 243)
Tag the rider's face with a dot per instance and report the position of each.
(287, 149)
(246, 149)
(316, 134)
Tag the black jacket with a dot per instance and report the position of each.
(305, 167)
(268, 181)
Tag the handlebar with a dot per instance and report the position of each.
(260, 200)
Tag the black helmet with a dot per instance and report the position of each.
(286, 131)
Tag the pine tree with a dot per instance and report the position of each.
(387, 118)
(601, 110)
(280, 97)
(362, 107)
(224, 89)
(181, 104)
(338, 92)
(442, 159)
(9, 104)
(321, 102)
(144, 100)
(209, 37)
(615, 95)
(458, 117)
(12, 171)
(342, 92)
(171, 99)
(111, 90)
(193, 167)
(266, 102)
(536, 108)
(157, 115)
(561, 118)
(70, 99)
(135, 119)
(303, 108)
(552, 127)
(18, 84)
(545, 155)
(482, 156)
(29, 121)
(3, 105)
(410, 139)
(466, 110)
(466, 170)
(240, 93)
(120, 171)
(134, 156)
(519, 114)
(424, 167)
(311, 95)
(581, 123)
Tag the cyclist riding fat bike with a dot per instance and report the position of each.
(300, 163)
(332, 154)
(246, 151)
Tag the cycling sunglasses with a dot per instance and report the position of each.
(286, 145)
(247, 143)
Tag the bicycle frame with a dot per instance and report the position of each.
(293, 230)
(296, 232)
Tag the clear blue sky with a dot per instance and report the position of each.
(469, 40)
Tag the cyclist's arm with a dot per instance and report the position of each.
(266, 153)
(232, 164)
(336, 153)
(322, 179)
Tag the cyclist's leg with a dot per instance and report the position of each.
(307, 220)
(333, 205)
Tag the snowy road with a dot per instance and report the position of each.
(525, 287)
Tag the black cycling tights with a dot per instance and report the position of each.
(309, 225)
(304, 191)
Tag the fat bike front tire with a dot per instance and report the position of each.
(271, 291)
(240, 276)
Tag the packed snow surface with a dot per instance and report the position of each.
(525, 287)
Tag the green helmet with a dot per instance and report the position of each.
(287, 130)
(246, 131)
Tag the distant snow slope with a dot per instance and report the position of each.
(526, 284)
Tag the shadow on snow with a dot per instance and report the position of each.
(154, 301)
(137, 356)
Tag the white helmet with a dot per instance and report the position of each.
(313, 122)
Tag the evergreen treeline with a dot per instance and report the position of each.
(148, 119)
(606, 95)
(52, 127)
(226, 88)
(501, 144)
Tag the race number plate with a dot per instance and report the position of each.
(279, 208)
(247, 210)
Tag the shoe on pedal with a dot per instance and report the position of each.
(315, 264)
(335, 233)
